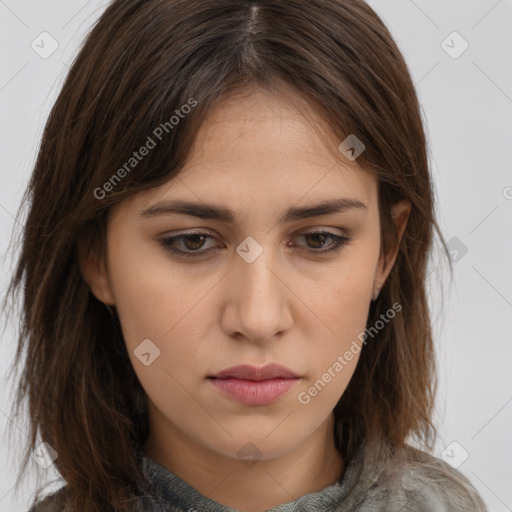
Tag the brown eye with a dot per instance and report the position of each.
(194, 242)
(316, 241)
(191, 244)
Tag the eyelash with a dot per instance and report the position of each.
(339, 243)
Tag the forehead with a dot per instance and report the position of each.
(257, 151)
(258, 121)
(261, 140)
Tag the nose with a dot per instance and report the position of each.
(258, 299)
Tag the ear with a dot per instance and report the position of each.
(400, 214)
(95, 273)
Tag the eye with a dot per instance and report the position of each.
(316, 239)
(192, 243)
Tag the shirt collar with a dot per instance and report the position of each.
(168, 492)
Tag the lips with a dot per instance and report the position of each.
(247, 372)
(250, 385)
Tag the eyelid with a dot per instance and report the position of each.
(339, 241)
(302, 231)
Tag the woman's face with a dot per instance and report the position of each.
(252, 289)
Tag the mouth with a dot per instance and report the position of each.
(251, 385)
(253, 373)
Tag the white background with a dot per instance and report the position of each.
(467, 105)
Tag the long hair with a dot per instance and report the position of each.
(140, 65)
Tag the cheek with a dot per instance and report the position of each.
(153, 297)
(147, 308)
(333, 357)
(167, 305)
(340, 299)
(339, 308)
(165, 309)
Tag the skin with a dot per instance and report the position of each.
(256, 156)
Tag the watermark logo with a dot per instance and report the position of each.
(249, 454)
(457, 249)
(352, 147)
(44, 45)
(454, 45)
(455, 454)
(45, 455)
(249, 249)
(147, 352)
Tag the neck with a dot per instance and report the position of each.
(264, 484)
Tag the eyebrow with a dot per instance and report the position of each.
(214, 212)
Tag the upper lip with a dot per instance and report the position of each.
(248, 372)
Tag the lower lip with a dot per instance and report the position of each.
(251, 392)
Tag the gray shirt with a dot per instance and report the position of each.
(428, 486)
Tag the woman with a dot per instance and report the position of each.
(224, 267)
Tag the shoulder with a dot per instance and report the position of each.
(52, 503)
(424, 483)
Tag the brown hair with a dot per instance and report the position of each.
(143, 60)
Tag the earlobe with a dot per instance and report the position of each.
(400, 214)
(95, 274)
